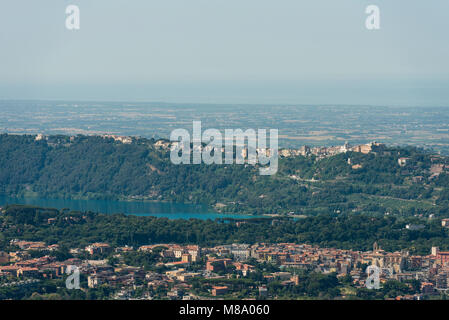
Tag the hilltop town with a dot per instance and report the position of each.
(163, 144)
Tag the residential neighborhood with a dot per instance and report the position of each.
(177, 268)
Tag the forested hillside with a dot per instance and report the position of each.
(98, 167)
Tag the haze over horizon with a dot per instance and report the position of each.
(258, 52)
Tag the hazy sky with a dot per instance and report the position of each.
(256, 51)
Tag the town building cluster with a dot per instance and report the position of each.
(305, 151)
(179, 264)
(323, 152)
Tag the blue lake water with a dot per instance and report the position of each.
(139, 208)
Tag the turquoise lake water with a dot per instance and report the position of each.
(139, 208)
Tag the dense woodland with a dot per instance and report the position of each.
(358, 232)
(97, 167)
